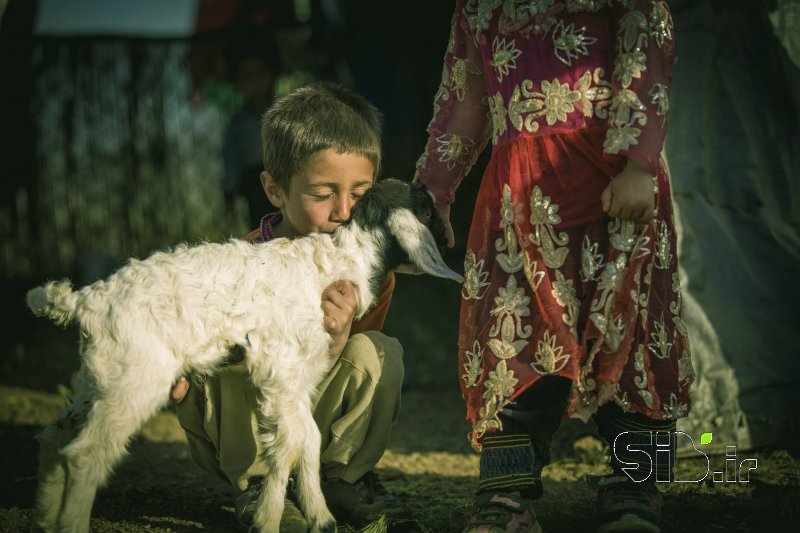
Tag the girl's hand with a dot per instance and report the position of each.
(444, 214)
(339, 307)
(631, 194)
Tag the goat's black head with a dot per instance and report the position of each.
(407, 217)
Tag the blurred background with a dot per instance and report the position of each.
(130, 126)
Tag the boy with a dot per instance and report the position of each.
(321, 153)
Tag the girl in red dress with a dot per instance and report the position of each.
(571, 303)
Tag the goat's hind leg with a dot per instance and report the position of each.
(284, 435)
(114, 418)
(309, 493)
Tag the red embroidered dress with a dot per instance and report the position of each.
(566, 91)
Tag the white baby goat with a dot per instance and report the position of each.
(180, 312)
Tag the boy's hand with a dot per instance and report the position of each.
(338, 306)
(444, 213)
(630, 195)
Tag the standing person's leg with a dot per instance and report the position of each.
(512, 459)
(629, 498)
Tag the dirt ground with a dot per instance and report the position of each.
(158, 488)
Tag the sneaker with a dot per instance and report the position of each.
(503, 512)
(626, 506)
(292, 519)
(363, 502)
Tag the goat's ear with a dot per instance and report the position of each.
(419, 244)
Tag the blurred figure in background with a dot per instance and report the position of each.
(253, 59)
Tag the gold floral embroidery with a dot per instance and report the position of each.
(498, 113)
(504, 56)
(512, 261)
(610, 281)
(676, 307)
(629, 65)
(555, 100)
(510, 306)
(479, 13)
(600, 93)
(473, 366)
(660, 347)
(532, 273)
(586, 5)
(564, 293)
(500, 383)
(623, 402)
(626, 109)
(544, 216)
(663, 256)
(612, 328)
(685, 368)
(549, 358)
(569, 43)
(642, 381)
(524, 9)
(674, 409)
(517, 106)
(488, 419)
(558, 101)
(660, 23)
(454, 149)
(591, 261)
(660, 97)
(622, 234)
(458, 78)
(475, 278)
(632, 35)
(526, 16)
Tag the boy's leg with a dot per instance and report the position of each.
(218, 418)
(642, 452)
(512, 459)
(358, 403)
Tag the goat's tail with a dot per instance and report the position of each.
(56, 300)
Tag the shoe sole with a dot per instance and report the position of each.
(629, 523)
(535, 528)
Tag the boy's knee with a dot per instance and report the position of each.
(377, 355)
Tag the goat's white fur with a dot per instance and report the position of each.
(179, 312)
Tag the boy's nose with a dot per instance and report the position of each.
(343, 207)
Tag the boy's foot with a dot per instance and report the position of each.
(292, 520)
(503, 512)
(363, 502)
(626, 506)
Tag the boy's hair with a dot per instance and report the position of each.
(316, 117)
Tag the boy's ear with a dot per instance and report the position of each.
(275, 194)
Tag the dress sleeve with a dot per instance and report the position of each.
(645, 56)
(458, 131)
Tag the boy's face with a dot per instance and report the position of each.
(321, 194)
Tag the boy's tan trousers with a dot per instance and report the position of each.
(357, 404)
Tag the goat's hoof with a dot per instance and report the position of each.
(327, 527)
